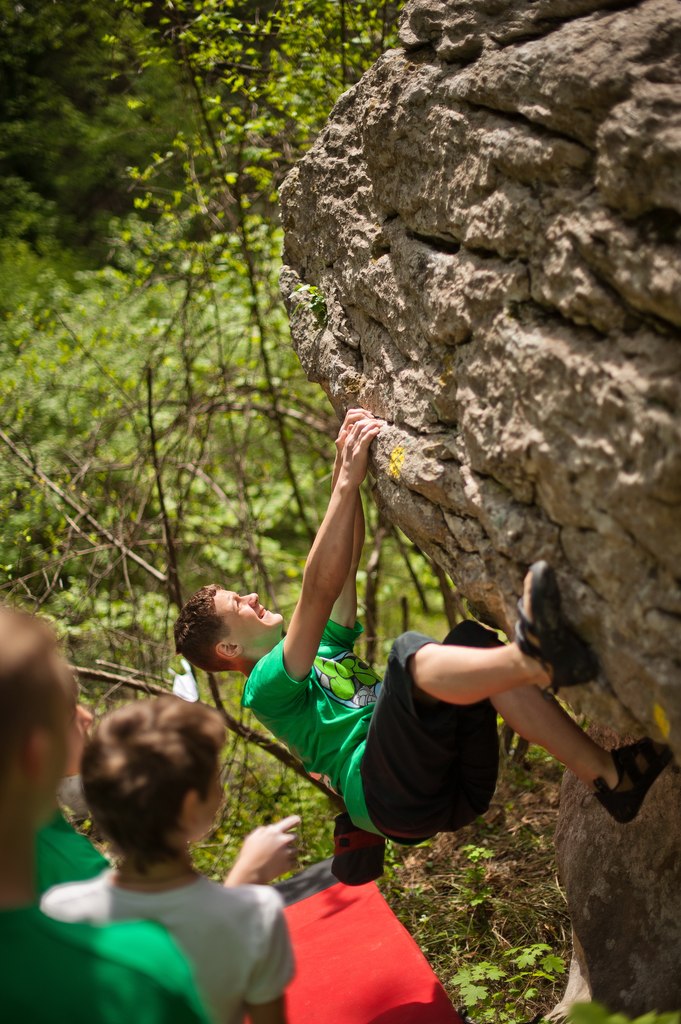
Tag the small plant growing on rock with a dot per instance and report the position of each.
(311, 297)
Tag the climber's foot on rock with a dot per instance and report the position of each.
(638, 765)
(543, 634)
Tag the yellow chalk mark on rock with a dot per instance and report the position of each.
(396, 462)
(661, 720)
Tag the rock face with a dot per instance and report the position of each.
(492, 217)
(623, 889)
(489, 228)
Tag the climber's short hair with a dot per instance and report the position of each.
(37, 687)
(139, 765)
(199, 628)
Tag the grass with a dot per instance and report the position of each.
(484, 904)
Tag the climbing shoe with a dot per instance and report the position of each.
(358, 855)
(543, 634)
(638, 765)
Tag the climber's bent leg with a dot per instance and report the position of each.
(546, 653)
(620, 778)
(462, 675)
(545, 722)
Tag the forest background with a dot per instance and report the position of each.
(157, 432)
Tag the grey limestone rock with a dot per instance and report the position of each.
(626, 925)
(493, 217)
(496, 237)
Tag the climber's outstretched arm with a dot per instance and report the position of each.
(344, 611)
(329, 562)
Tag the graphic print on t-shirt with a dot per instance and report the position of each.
(348, 679)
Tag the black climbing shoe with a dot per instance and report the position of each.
(638, 765)
(358, 855)
(543, 634)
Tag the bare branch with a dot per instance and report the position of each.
(100, 676)
(373, 567)
(133, 671)
(270, 746)
(454, 609)
(83, 513)
(410, 569)
(173, 577)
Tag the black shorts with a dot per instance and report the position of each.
(428, 768)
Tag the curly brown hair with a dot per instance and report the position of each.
(142, 760)
(199, 628)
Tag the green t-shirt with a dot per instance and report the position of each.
(324, 718)
(64, 855)
(57, 973)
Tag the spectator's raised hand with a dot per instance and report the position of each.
(266, 853)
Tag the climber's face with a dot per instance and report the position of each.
(251, 630)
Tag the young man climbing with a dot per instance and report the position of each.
(416, 754)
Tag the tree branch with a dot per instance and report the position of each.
(410, 569)
(454, 609)
(277, 750)
(83, 513)
(373, 567)
(173, 577)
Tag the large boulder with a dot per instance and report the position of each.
(493, 224)
(483, 247)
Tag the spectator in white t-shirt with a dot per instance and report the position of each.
(151, 778)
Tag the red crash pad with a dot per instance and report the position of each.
(356, 964)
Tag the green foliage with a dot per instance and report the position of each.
(88, 431)
(258, 791)
(159, 431)
(157, 398)
(492, 993)
(310, 296)
(71, 119)
(475, 891)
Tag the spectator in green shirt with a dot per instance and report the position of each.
(55, 972)
(62, 853)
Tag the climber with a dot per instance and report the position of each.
(416, 753)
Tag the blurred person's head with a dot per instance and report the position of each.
(36, 704)
(151, 776)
